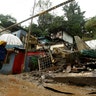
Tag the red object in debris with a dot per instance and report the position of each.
(35, 53)
(18, 63)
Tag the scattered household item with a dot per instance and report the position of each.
(2, 42)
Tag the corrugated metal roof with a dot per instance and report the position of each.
(91, 44)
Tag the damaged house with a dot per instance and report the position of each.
(63, 35)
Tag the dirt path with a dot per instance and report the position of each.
(10, 85)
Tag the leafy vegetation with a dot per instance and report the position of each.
(90, 26)
(8, 20)
(73, 21)
(75, 18)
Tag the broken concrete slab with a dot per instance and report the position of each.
(81, 45)
(80, 81)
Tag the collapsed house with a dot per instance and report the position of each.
(56, 55)
(82, 58)
(69, 57)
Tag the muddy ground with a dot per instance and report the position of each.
(26, 84)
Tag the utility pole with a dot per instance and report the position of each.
(30, 31)
(30, 26)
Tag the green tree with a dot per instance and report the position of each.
(35, 30)
(43, 5)
(7, 20)
(75, 18)
(44, 19)
(44, 22)
(58, 24)
(90, 26)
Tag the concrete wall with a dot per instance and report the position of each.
(7, 67)
(67, 37)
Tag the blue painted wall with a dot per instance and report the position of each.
(19, 32)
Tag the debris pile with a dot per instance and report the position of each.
(64, 59)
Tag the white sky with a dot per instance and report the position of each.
(22, 9)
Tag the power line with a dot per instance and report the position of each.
(61, 4)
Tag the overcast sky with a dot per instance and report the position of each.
(22, 9)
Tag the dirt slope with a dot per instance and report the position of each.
(11, 85)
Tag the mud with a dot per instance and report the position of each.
(28, 85)
(79, 81)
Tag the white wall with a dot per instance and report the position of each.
(91, 44)
(67, 37)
